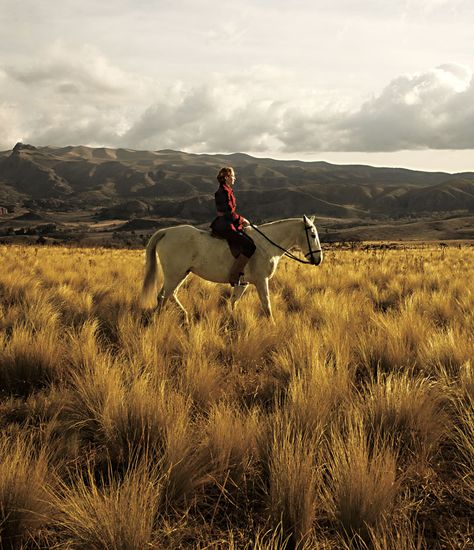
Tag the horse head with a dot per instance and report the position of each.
(309, 241)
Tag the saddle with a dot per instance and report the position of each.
(235, 251)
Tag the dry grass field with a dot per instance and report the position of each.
(348, 423)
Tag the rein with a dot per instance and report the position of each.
(287, 252)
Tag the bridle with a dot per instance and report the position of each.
(290, 254)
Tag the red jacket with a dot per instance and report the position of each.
(226, 210)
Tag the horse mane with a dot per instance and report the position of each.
(276, 222)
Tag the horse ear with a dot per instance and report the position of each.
(312, 219)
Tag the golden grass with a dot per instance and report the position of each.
(362, 474)
(293, 481)
(407, 411)
(346, 424)
(120, 514)
(30, 359)
(23, 475)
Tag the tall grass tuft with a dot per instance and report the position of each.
(232, 441)
(126, 420)
(23, 475)
(390, 534)
(392, 340)
(464, 440)
(202, 372)
(121, 514)
(29, 359)
(293, 482)
(315, 396)
(409, 411)
(362, 482)
(463, 434)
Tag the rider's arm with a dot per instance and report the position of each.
(226, 205)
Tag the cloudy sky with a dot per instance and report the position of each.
(348, 81)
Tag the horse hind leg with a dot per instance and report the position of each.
(181, 307)
(168, 292)
(161, 299)
(237, 293)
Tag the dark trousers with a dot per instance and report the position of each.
(242, 241)
(237, 239)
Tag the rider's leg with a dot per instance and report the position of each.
(237, 269)
(247, 249)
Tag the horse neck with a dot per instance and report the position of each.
(283, 232)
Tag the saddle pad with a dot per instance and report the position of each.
(235, 251)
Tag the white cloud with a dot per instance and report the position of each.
(433, 110)
(11, 130)
(82, 97)
(84, 71)
(70, 97)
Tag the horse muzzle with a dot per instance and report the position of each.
(315, 257)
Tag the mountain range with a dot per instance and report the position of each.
(123, 184)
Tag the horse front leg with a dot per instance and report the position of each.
(264, 295)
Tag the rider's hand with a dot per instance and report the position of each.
(246, 223)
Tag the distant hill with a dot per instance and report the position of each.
(182, 184)
(108, 177)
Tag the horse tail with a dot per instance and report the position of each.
(149, 281)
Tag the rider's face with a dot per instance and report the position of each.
(230, 179)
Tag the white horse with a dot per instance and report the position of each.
(184, 249)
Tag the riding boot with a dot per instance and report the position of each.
(237, 270)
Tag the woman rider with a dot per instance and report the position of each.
(229, 225)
